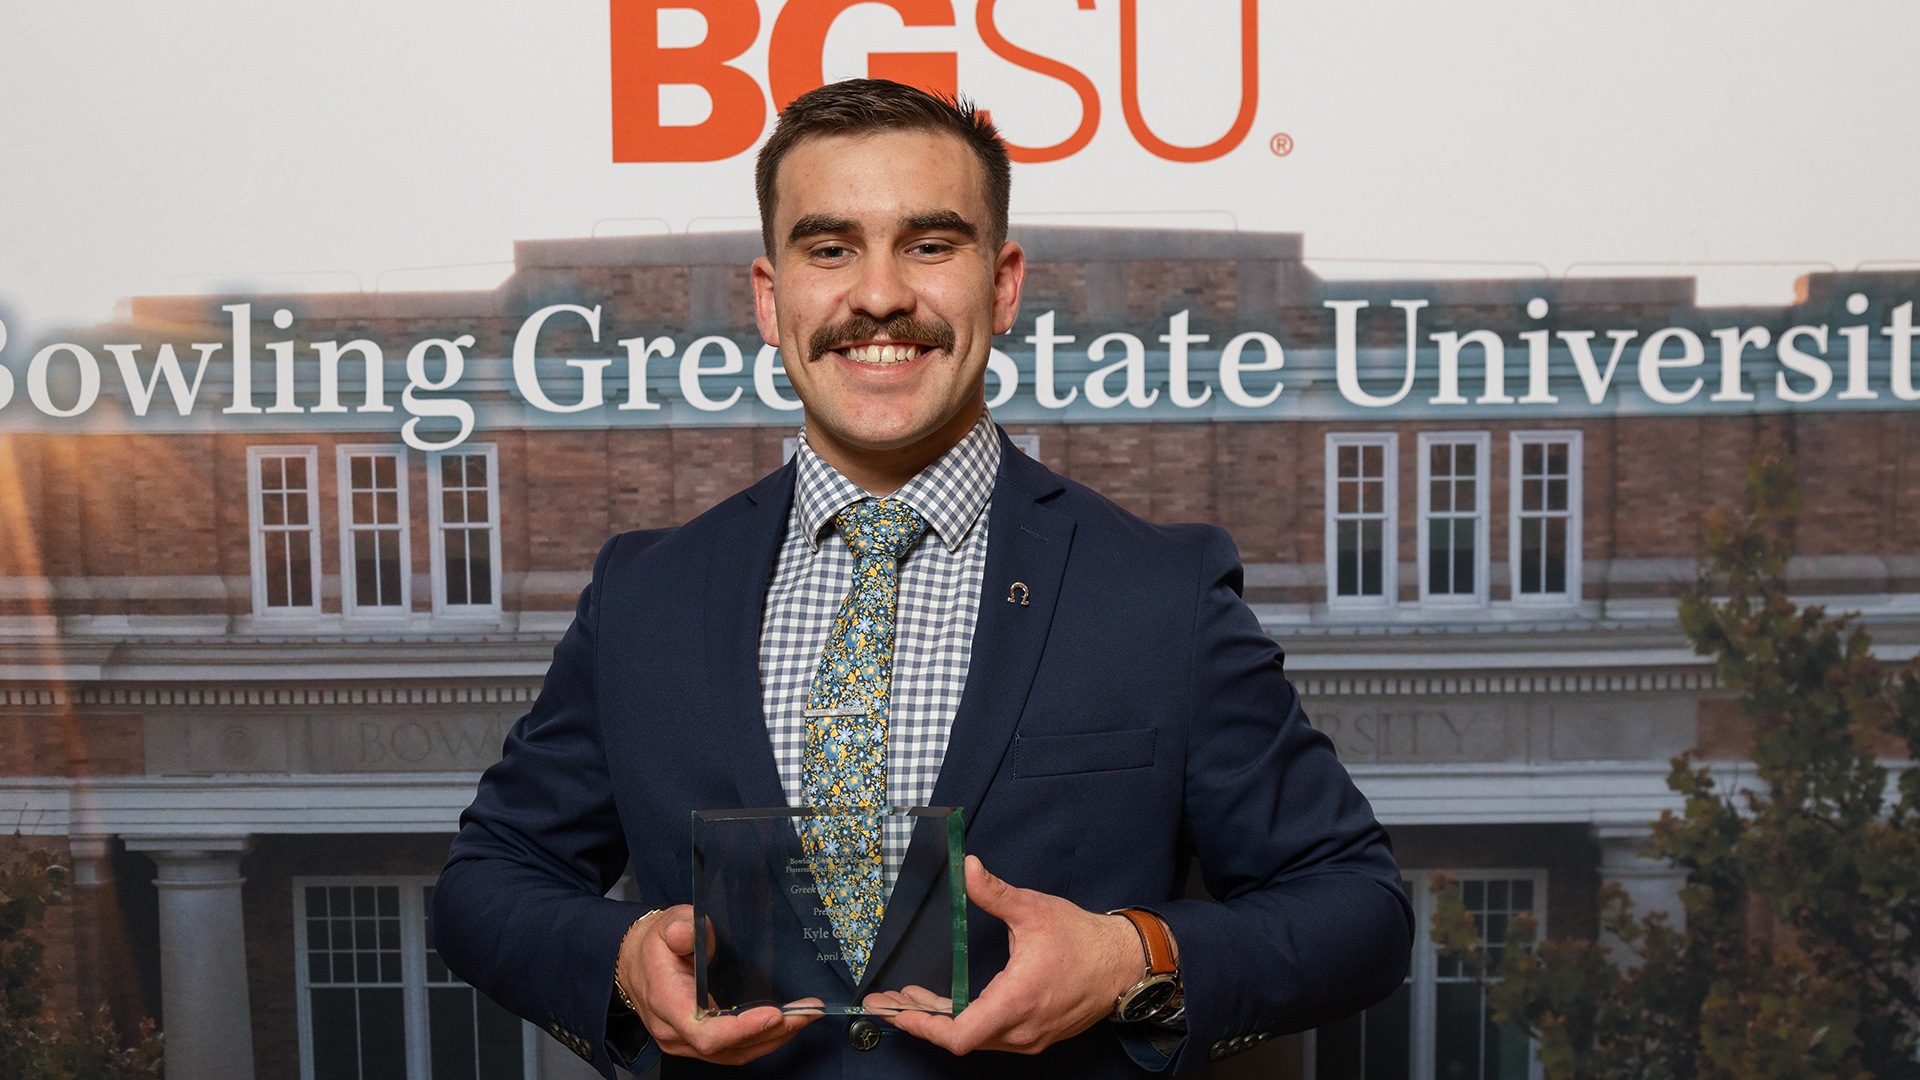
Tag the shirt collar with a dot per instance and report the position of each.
(949, 494)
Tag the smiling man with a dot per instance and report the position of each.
(1123, 719)
(887, 275)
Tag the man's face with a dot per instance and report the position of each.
(883, 294)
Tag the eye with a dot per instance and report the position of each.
(831, 252)
(930, 247)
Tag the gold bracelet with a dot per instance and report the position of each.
(621, 991)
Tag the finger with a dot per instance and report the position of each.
(774, 1039)
(994, 896)
(919, 997)
(670, 1015)
(725, 1039)
(669, 1011)
(910, 999)
(981, 1025)
(732, 1040)
(932, 1027)
(775, 1035)
(667, 987)
(677, 932)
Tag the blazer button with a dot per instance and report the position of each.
(863, 1033)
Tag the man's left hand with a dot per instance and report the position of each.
(1065, 968)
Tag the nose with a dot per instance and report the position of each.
(882, 289)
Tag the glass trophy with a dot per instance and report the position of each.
(770, 937)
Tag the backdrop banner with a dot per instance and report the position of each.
(336, 338)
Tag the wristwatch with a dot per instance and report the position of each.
(1157, 995)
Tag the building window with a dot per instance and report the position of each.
(373, 530)
(376, 1002)
(1466, 1040)
(1362, 528)
(282, 511)
(1437, 1025)
(464, 494)
(1453, 517)
(1546, 516)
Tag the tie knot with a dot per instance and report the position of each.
(880, 527)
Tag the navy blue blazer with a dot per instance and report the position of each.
(1129, 720)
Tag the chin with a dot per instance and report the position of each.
(881, 435)
(883, 442)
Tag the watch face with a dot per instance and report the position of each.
(1147, 1000)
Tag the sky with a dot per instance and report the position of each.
(406, 144)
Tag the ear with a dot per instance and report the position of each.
(1009, 275)
(764, 310)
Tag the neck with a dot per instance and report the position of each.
(883, 471)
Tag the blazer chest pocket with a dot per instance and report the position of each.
(1082, 752)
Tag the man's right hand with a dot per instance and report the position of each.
(656, 969)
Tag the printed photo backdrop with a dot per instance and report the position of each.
(1506, 216)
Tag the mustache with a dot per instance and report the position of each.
(862, 328)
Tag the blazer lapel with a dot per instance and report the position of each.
(736, 594)
(1027, 543)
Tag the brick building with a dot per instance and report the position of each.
(254, 653)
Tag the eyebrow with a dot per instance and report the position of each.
(926, 221)
(940, 221)
(816, 224)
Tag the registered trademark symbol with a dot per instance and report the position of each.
(1281, 144)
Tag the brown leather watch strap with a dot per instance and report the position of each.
(1154, 938)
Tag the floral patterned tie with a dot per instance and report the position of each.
(844, 765)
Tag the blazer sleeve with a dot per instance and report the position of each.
(520, 910)
(1310, 922)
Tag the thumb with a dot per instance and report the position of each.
(995, 897)
(678, 935)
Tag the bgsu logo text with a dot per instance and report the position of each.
(641, 66)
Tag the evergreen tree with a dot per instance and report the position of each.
(1799, 955)
(35, 1044)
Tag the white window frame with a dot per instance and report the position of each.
(1390, 525)
(1575, 514)
(1482, 534)
(256, 530)
(1426, 957)
(349, 568)
(436, 524)
(1424, 972)
(413, 974)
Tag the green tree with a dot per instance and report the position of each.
(35, 1044)
(1801, 946)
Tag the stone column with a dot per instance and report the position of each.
(1653, 884)
(92, 863)
(203, 955)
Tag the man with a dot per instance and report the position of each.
(1087, 687)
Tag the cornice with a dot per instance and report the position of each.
(193, 811)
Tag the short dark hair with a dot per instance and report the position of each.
(866, 106)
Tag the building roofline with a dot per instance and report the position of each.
(1275, 263)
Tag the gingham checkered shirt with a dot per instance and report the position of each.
(933, 624)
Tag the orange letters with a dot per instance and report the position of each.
(800, 35)
(641, 66)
